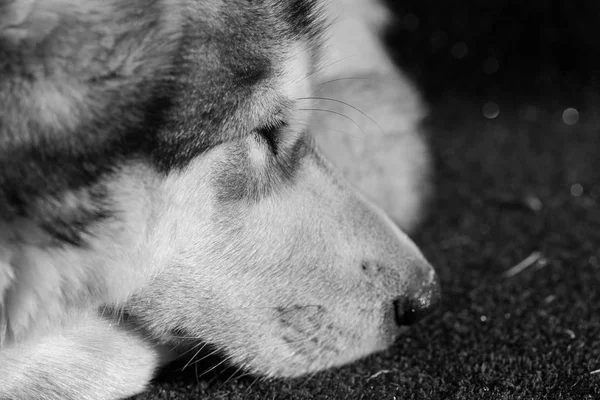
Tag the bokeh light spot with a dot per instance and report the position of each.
(459, 50)
(570, 116)
(491, 110)
(576, 189)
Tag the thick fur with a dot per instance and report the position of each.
(168, 159)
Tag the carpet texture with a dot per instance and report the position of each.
(514, 231)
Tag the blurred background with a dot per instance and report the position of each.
(501, 48)
(522, 78)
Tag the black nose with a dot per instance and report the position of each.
(411, 309)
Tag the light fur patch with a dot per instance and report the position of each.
(41, 284)
(296, 84)
(352, 44)
(92, 360)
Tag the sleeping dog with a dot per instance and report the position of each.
(174, 171)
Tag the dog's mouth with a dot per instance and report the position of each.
(309, 338)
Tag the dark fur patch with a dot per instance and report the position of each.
(133, 86)
(302, 16)
(74, 228)
(68, 220)
(229, 57)
(77, 93)
(240, 181)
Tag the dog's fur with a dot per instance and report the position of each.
(166, 160)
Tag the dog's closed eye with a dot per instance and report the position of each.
(271, 134)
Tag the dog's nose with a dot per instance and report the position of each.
(411, 309)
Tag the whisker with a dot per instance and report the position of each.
(118, 314)
(104, 309)
(195, 355)
(231, 377)
(211, 354)
(337, 113)
(320, 69)
(221, 373)
(245, 374)
(345, 79)
(316, 128)
(252, 384)
(187, 337)
(113, 314)
(213, 367)
(346, 104)
(194, 347)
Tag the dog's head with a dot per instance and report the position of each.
(288, 275)
(213, 214)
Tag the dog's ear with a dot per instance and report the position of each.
(73, 71)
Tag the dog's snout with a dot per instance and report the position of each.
(411, 309)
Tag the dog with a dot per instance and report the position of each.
(175, 171)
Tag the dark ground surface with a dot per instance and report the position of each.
(519, 184)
